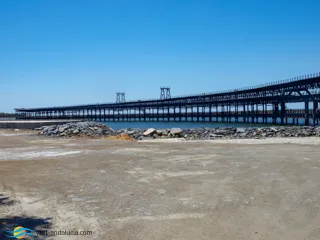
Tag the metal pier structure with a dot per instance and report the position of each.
(257, 104)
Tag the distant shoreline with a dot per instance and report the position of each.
(7, 118)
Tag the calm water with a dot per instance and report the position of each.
(183, 125)
(6, 119)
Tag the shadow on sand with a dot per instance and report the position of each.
(10, 222)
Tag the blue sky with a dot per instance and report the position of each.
(76, 52)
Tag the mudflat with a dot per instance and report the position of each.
(242, 189)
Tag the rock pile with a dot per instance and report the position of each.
(262, 132)
(223, 133)
(151, 133)
(76, 129)
(96, 130)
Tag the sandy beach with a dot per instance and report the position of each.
(161, 189)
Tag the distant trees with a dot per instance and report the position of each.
(7, 115)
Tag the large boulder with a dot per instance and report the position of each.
(75, 131)
(175, 132)
(240, 130)
(149, 132)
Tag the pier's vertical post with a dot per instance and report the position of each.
(275, 113)
(252, 113)
(229, 112)
(158, 114)
(237, 112)
(162, 113)
(223, 113)
(315, 112)
(197, 113)
(203, 114)
(263, 113)
(306, 112)
(282, 113)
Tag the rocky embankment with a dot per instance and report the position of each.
(76, 129)
(97, 130)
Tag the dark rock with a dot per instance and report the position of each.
(164, 132)
(159, 132)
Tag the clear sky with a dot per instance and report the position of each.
(65, 52)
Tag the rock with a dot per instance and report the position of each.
(149, 132)
(62, 129)
(175, 132)
(76, 131)
(87, 129)
(225, 131)
(240, 130)
(215, 135)
(274, 129)
(165, 132)
(96, 130)
(49, 128)
(131, 132)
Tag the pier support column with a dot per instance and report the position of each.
(263, 113)
(275, 113)
(315, 113)
(203, 114)
(306, 111)
(237, 112)
(222, 113)
(252, 113)
(197, 114)
(283, 109)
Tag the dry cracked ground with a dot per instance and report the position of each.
(248, 189)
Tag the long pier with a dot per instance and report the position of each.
(257, 104)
